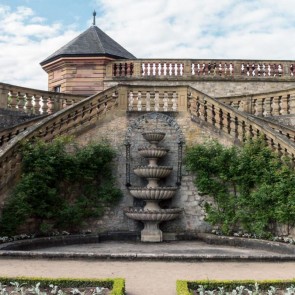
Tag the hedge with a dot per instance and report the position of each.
(116, 285)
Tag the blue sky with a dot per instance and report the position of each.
(31, 30)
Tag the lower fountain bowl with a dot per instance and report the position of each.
(158, 193)
(153, 215)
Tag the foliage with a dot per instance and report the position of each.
(60, 189)
(116, 285)
(253, 190)
(235, 287)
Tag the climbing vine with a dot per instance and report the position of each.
(253, 190)
(61, 186)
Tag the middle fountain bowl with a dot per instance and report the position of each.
(153, 172)
(157, 194)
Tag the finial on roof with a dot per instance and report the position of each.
(94, 15)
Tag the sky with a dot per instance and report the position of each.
(31, 30)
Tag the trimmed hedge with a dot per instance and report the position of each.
(184, 287)
(116, 285)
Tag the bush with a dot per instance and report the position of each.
(60, 189)
(253, 190)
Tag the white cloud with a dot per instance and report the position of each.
(208, 29)
(25, 41)
(237, 29)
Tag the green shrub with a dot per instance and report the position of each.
(60, 189)
(253, 190)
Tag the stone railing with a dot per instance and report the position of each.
(63, 122)
(33, 101)
(157, 99)
(201, 69)
(237, 124)
(264, 104)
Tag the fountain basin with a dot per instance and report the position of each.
(153, 137)
(152, 152)
(153, 171)
(159, 193)
(153, 215)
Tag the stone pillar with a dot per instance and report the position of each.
(3, 96)
(122, 98)
(182, 99)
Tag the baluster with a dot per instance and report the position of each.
(143, 69)
(51, 104)
(275, 105)
(284, 105)
(174, 101)
(159, 69)
(193, 69)
(44, 105)
(219, 119)
(227, 119)
(154, 69)
(157, 101)
(21, 102)
(37, 105)
(120, 69)
(266, 107)
(125, 69)
(29, 105)
(291, 104)
(165, 102)
(148, 101)
(258, 107)
(232, 125)
(130, 101)
(176, 69)
(170, 69)
(139, 102)
(149, 69)
(241, 131)
(13, 100)
(115, 67)
(131, 69)
(165, 69)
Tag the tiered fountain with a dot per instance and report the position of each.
(151, 215)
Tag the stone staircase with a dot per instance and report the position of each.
(223, 115)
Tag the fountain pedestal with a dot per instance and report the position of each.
(152, 215)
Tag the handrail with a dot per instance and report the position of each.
(237, 124)
(35, 101)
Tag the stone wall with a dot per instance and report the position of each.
(121, 128)
(220, 88)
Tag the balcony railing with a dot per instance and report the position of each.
(201, 69)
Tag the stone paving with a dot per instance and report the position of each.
(149, 277)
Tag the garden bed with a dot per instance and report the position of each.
(61, 286)
(243, 287)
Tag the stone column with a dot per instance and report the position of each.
(3, 96)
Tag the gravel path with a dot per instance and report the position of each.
(147, 277)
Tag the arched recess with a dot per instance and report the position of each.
(155, 121)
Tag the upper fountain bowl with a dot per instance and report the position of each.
(153, 137)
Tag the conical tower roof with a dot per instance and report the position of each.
(92, 42)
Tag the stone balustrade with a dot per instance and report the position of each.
(63, 122)
(158, 99)
(201, 69)
(264, 104)
(237, 124)
(203, 109)
(33, 101)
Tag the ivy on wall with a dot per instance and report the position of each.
(252, 188)
(59, 189)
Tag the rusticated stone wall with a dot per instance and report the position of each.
(121, 128)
